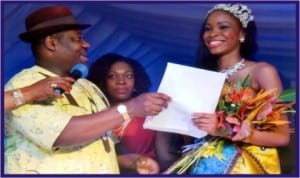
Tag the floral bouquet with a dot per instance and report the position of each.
(239, 103)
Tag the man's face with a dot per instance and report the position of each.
(71, 48)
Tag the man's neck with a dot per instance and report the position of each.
(54, 69)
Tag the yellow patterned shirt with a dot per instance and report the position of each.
(31, 130)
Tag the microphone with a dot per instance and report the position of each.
(77, 71)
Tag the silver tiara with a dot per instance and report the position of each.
(240, 11)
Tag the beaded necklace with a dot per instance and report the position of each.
(233, 69)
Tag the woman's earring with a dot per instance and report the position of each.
(242, 40)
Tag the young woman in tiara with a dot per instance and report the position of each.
(227, 42)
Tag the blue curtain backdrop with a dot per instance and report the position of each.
(155, 33)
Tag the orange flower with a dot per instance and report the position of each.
(239, 102)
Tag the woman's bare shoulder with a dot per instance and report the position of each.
(262, 67)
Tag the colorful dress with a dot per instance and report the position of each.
(236, 158)
(238, 104)
(222, 156)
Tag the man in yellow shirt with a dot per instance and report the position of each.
(71, 134)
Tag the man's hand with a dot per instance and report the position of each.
(147, 104)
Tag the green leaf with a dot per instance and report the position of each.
(238, 85)
(246, 82)
(288, 95)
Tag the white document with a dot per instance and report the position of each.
(192, 90)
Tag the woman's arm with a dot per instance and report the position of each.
(267, 77)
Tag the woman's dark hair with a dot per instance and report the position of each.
(248, 47)
(99, 69)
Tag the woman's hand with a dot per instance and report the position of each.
(244, 133)
(207, 122)
(136, 163)
(210, 124)
(147, 165)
